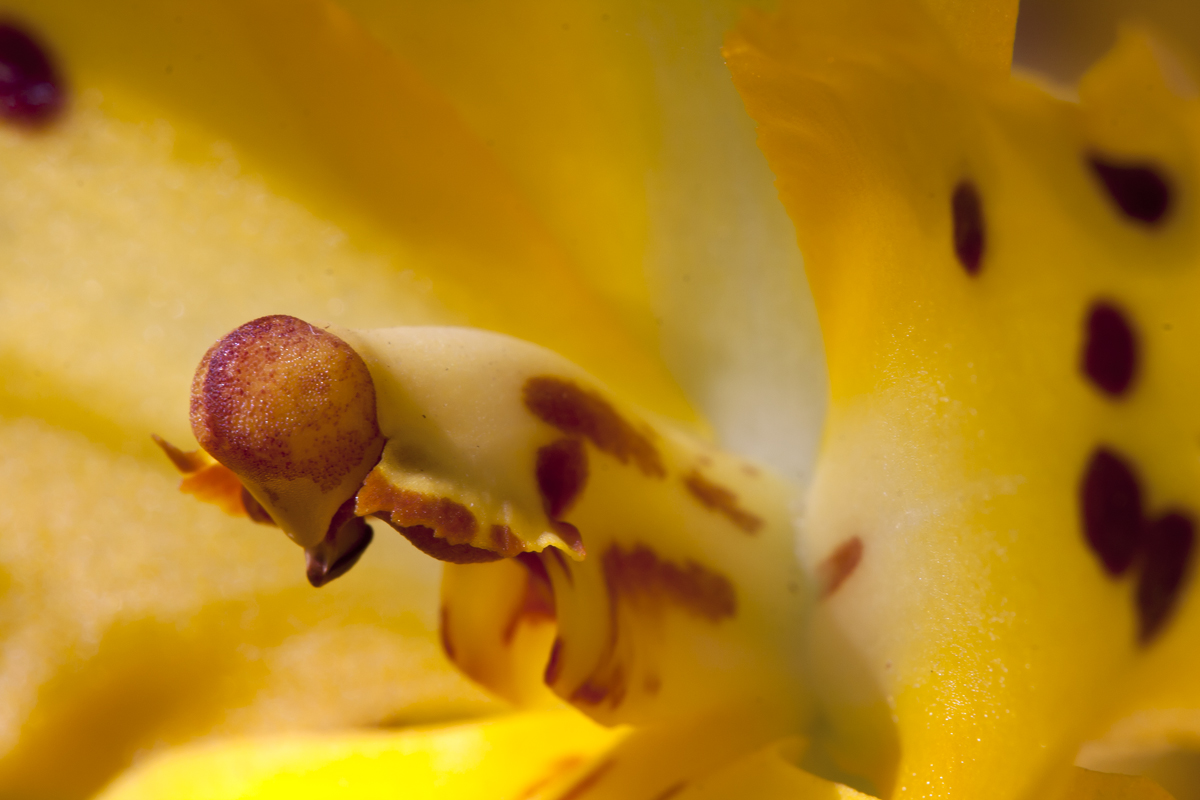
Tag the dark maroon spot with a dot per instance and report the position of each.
(1169, 542)
(562, 471)
(969, 236)
(1137, 189)
(30, 89)
(1109, 349)
(1112, 510)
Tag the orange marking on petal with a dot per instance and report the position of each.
(838, 566)
(403, 508)
(579, 412)
(211, 482)
(640, 576)
(716, 497)
(218, 485)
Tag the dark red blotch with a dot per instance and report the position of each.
(969, 234)
(1169, 542)
(562, 472)
(31, 91)
(1139, 190)
(1112, 510)
(1109, 350)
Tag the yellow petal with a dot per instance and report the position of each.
(647, 173)
(354, 133)
(120, 638)
(981, 32)
(990, 625)
(512, 757)
(1087, 785)
(130, 614)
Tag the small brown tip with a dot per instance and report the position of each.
(334, 556)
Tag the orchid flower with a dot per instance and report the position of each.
(988, 566)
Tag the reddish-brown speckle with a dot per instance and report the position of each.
(716, 497)
(638, 576)
(562, 472)
(579, 412)
(279, 399)
(838, 566)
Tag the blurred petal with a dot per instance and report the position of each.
(120, 638)
(981, 255)
(514, 757)
(133, 618)
(647, 173)
(350, 130)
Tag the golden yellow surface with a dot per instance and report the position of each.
(514, 757)
(346, 162)
(987, 635)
